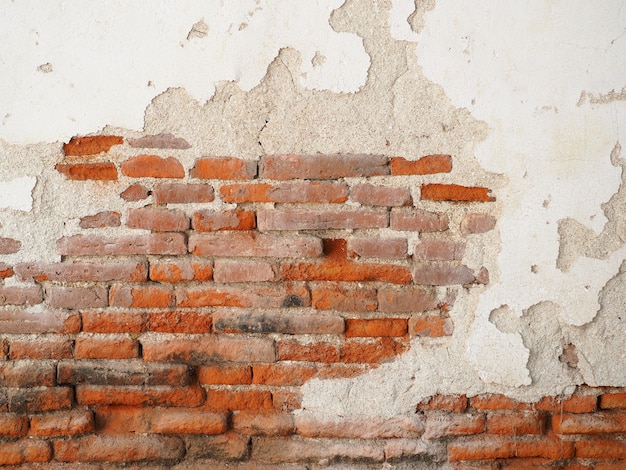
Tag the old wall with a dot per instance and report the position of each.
(372, 233)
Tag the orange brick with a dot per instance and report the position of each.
(152, 166)
(62, 423)
(613, 400)
(134, 396)
(282, 374)
(211, 221)
(594, 423)
(455, 403)
(141, 297)
(428, 165)
(178, 270)
(516, 423)
(573, 404)
(42, 347)
(224, 168)
(104, 171)
(371, 350)
(430, 325)
(6, 271)
(287, 192)
(39, 399)
(97, 347)
(488, 447)
(113, 322)
(286, 399)
(250, 295)
(225, 375)
(343, 297)
(13, 425)
(91, 145)
(378, 327)
(289, 350)
(498, 402)
(179, 322)
(24, 451)
(187, 421)
(601, 448)
(263, 423)
(455, 192)
(238, 400)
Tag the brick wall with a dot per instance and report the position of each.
(181, 329)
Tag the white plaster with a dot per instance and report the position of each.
(71, 69)
(17, 193)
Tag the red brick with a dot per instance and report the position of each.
(152, 166)
(443, 274)
(286, 167)
(21, 322)
(9, 246)
(62, 423)
(104, 171)
(187, 421)
(159, 141)
(229, 447)
(287, 399)
(13, 425)
(599, 466)
(135, 192)
(180, 322)
(428, 165)
(252, 244)
(151, 244)
(384, 248)
(439, 250)
(135, 396)
(6, 271)
(416, 220)
(455, 403)
(477, 223)
(39, 399)
(122, 372)
(157, 219)
(24, 451)
(107, 347)
(79, 271)
(374, 195)
(211, 221)
(308, 219)
(372, 350)
(225, 375)
(26, 373)
(613, 400)
(145, 296)
(238, 400)
(289, 350)
(77, 297)
(487, 447)
(345, 270)
(224, 168)
(177, 270)
(498, 402)
(342, 297)
(113, 322)
(276, 321)
(516, 423)
(102, 448)
(204, 349)
(406, 299)
(182, 193)
(455, 192)
(243, 271)
(101, 220)
(287, 192)
(594, 423)
(229, 295)
(430, 325)
(360, 427)
(283, 375)
(343, 370)
(91, 145)
(263, 423)
(42, 347)
(574, 404)
(377, 327)
(20, 295)
(601, 448)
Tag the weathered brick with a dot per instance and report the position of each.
(263, 423)
(601, 448)
(227, 447)
(10, 295)
(135, 396)
(371, 350)
(159, 141)
(286, 167)
(204, 349)
(287, 192)
(406, 299)
(62, 423)
(42, 347)
(75, 298)
(27, 373)
(271, 321)
(113, 322)
(251, 244)
(286, 399)
(443, 274)
(225, 375)
(22, 322)
(181, 193)
(516, 422)
(211, 221)
(243, 271)
(13, 425)
(477, 223)
(24, 451)
(377, 327)
(150, 244)
(360, 427)
(291, 350)
(135, 192)
(152, 166)
(592, 423)
(384, 248)
(103, 448)
(309, 219)
(439, 250)
(343, 297)
(430, 325)
(454, 403)
(6, 271)
(442, 424)
(416, 220)
(9, 246)
(283, 375)
(79, 271)
(144, 296)
(187, 421)
(104, 171)
(91, 145)
(224, 168)
(403, 449)
(428, 165)
(488, 447)
(157, 219)
(105, 347)
(229, 295)
(101, 220)
(576, 403)
(39, 399)
(613, 400)
(455, 192)
(180, 322)
(498, 402)
(122, 372)
(177, 270)
(374, 195)
(226, 399)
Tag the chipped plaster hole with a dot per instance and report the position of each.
(45, 68)
(198, 31)
(318, 59)
(534, 269)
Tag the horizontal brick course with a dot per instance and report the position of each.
(286, 167)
